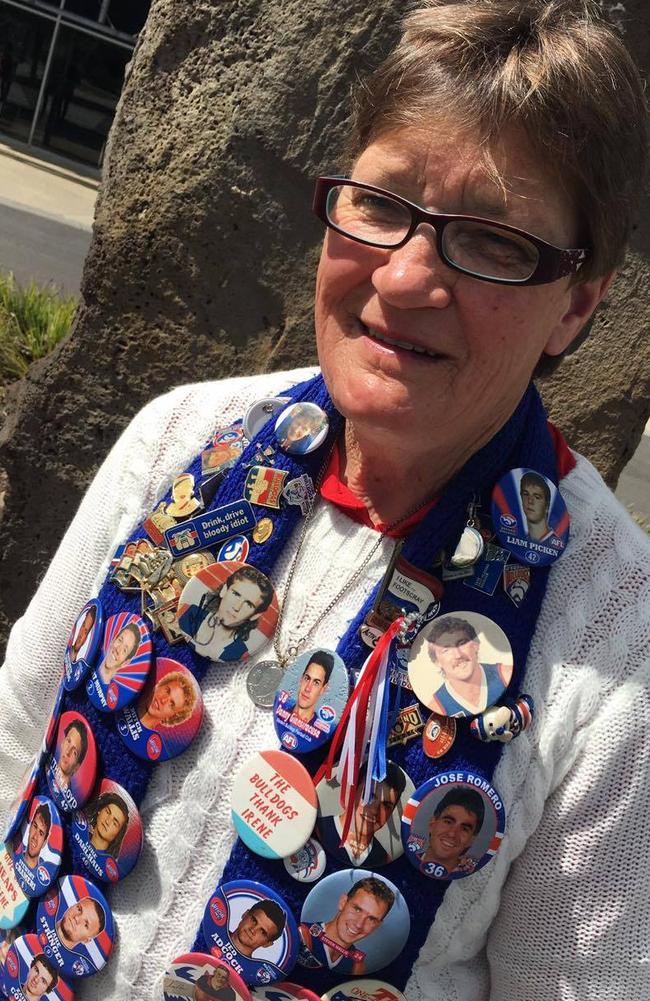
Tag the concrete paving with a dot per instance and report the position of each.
(46, 214)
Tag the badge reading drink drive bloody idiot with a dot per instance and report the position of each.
(126, 659)
(530, 517)
(168, 714)
(310, 700)
(83, 644)
(108, 832)
(75, 926)
(273, 804)
(30, 974)
(208, 977)
(37, 848)
(250, 927)
(453, 825)
(72, 767)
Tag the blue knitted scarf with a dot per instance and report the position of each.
(523, 441)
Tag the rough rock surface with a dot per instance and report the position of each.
(203, 254)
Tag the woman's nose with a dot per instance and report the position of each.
(414, 276)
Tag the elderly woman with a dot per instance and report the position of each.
(494, 167)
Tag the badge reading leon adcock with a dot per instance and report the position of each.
(453, 825)
(530, 517)
(37, 848)
(250, 927)
(75, 925)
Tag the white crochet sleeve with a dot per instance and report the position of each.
(163, 437)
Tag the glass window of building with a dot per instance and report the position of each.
(62, 68)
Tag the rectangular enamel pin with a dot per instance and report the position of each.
(210, 529)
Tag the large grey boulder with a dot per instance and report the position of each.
(204, 249)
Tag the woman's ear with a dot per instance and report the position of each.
(583, 297)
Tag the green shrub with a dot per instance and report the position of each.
(33, 319)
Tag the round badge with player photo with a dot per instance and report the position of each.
(308, 863)
(228, 611)
(31, 974)
(195, 976)
(310, 700)
(251, 927)
(71, 769)
(460, 663)
(7, 938)
(108, 832)
(37, 848)
(75, 920)
(352, 923)
(126, 658)
(19, 805)
(13, 902)
(374, 838)
(530, 517)
(364, 990)
(453, 825)
(261, 412)
(301, 428)
(273, 804)
(83, 644)
(285, 991)
(168, 714)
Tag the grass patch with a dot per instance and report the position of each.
(33, 319)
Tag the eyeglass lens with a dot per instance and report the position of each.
(480, 248)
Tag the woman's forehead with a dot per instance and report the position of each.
(444, 168)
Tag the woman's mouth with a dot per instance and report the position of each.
(393, 342)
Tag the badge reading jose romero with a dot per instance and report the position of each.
(310, 700)
(301, 428)
(251, 928)
(167, 716)
(75, 927)
(30, 975)
(453, 825)
(353, 922)
(273, 804)
(228, 611)
(108, 832)
(530, 517)
(202, 978)
(71, 768)
(460, 664)
(37, 848)
(83, 644)
(125, 663)
(374, 838)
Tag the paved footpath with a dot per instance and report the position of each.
(46, 213)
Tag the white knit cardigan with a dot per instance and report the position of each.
(561, 913)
